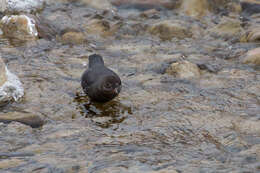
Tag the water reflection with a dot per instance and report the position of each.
(103, 114)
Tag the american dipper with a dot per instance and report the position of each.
(99, 82)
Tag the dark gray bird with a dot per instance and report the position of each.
(99, 82)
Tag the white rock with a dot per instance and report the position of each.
(21, 5)
(2, 5)
(12, 88)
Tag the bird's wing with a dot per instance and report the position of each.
(91, 75)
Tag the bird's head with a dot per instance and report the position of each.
(111, 85)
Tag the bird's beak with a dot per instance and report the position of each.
(117, 90)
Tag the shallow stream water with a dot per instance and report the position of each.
(158, 123)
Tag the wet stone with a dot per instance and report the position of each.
(146, 4)
(227, 27)
(45, 28)
(250, 7)
(24, 118)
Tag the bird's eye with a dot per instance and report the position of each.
(108, 85)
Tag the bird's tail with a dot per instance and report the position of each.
(95, 59)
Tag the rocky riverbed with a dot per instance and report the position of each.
(190, 100)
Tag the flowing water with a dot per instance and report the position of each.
(158, 123)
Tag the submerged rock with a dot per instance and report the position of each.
(24, 118)
(167, 30)
(10, 163)
(10, 86)
(45, 28)
(73, 37)
(183, 69)
(252, 57)
(17, 128)
(250, 7)
(228, 27)
(27, 6)
(19, 27)
(147, 4)
(195, 8)
(97, 26)
(136, 169)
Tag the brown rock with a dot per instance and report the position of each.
(195, 8)
(73, 37)
(183, 69)
(167, 30)
(25, 118)
(234, 7)
(2, 72)
(149, 13)
(252, 57)
(98, 26)
(252, 35)
(102, 27)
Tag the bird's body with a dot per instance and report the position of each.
(99, 82)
